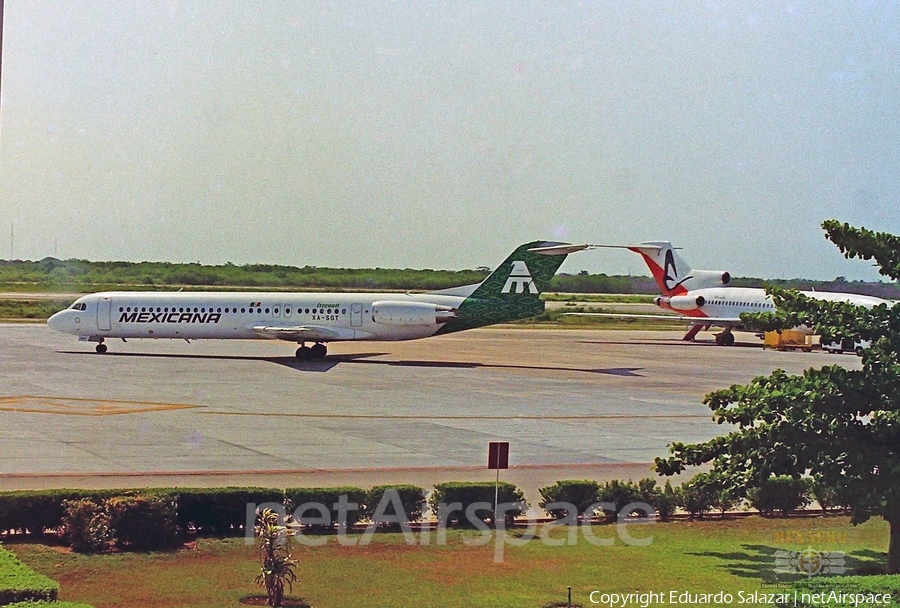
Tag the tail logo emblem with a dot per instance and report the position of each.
(519, 280)
(670, 273)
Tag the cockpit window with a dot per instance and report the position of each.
(78, 306)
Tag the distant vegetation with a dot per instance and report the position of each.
(81, 276)
(30, 310)
(51, 274)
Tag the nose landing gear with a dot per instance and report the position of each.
(100, 348)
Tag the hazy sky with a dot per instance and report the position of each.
(443, 134)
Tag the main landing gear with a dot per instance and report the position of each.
(726, 338)
(316, 351)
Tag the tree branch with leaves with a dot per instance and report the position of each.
(839, 426)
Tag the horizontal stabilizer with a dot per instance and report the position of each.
(653, 245)
(559, 249)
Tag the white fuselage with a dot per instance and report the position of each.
(724, 305)
(319, 317)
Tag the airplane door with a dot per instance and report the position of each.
(287, 310)
(104, 309)
(356, 315)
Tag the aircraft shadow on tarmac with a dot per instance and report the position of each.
(319, 365)
(329, 362)
(365, 358)
(668, 342)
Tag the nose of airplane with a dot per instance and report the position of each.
(64, 321)
(56, 321)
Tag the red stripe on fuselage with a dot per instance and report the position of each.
(695, 313)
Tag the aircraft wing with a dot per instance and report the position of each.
(300, 333)
(717, 321)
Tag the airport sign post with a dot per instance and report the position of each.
(498, 458)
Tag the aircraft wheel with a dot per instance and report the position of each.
(725, 339)
(303, 353)
(101, 348)
(318, 351)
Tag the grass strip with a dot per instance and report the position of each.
(729, 555)
(19, 583)
(43, 604)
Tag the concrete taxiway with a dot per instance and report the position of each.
(572, 403)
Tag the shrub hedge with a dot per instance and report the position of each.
(220, 510)
(19, 583)
(667, 500)
(699, 494)
(329, 497)
(580, 493)
(832, 498)
(38, 510)
(142, 523)
(224, 510)
(411, 498)
(782, 493)
(468, 493)
(85, 526)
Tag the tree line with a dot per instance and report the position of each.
(51, 274)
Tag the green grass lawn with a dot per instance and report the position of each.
(606, 298)
(700, 557)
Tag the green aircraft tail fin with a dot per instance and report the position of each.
(513, 290)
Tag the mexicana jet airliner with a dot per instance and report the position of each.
(511, 292)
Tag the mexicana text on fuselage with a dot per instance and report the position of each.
(169, 317)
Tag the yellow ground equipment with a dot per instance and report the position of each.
(789, 339)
